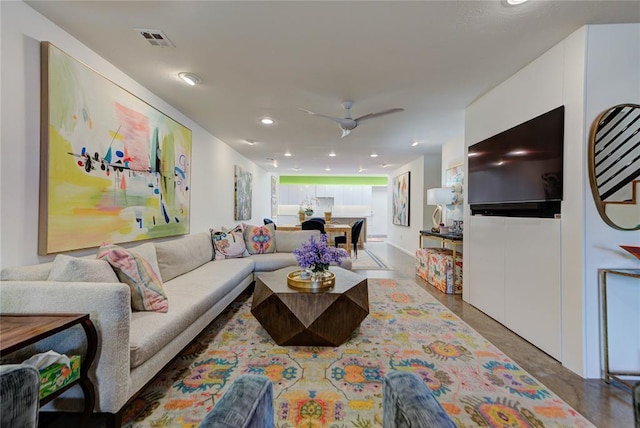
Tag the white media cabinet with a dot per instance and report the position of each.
(514, 275)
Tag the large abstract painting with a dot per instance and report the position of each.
(400, 204)
(113, 168)
(243, 186)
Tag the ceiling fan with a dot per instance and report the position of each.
(347, 124)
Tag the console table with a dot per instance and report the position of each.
(20, 330)
(603, 273)
(452, 239)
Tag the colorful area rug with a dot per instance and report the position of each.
(366, 261)
(406, 329)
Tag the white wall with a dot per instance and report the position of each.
(592, 69)
(22, 29)
(612, 77)
(401, 237)
(452, 155)
(425, 173)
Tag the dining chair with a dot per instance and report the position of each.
(356, 229)
(320, 219)
(313, 225)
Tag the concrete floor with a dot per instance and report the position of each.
(604, 405)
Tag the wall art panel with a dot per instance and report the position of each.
(243, 193)
(400, 204)
(113, 168)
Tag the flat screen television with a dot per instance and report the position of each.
(518, 172)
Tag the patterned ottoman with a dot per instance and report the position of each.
(435, 265)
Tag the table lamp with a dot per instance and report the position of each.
(439, 196)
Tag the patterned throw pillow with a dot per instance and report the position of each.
(229, 245)
(260, 239)
(142, 277)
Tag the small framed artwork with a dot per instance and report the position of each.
(242, 193)
(400, 203)
(455, 178)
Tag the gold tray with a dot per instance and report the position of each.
(294, 281)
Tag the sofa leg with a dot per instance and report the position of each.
(113, 420)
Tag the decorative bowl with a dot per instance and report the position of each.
(632, 249)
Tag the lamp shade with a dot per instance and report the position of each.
(440, 196)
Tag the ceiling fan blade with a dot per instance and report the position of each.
(335, 119)
(378, 114)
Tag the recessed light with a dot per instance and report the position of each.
(384, 165)
(251, 142)
(327, 169)
(267, 121)
(287, 154)
(374, 155)
(415, 143)
(515, 2)
(360, 169)
(189, 78)
(295, 168)
(332, 154)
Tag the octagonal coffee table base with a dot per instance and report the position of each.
(298, 318)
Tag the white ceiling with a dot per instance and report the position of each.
(269, 58)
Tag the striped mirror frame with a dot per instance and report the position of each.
(614, 166)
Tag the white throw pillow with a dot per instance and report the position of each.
(74, 269)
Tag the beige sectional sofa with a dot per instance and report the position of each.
(134, 346)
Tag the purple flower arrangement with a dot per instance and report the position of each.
(317, 255)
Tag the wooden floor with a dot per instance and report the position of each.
(604, 405)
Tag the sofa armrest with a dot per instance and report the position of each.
(109, 307)
(247, 404)
(407, 402)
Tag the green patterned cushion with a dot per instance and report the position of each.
(260, 239)
(140, 274)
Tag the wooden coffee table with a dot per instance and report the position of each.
(304, 318)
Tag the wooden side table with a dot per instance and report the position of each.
(20, 330)
(608, 373)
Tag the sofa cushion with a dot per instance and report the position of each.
(289, 240)
(74, 269)
(229, 244)
(260, 239)
(141, 276)
(38, 272)
(179, 256)
(273, 261)
(191, 295)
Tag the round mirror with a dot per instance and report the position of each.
(614, 166)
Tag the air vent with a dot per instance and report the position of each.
(155, 38)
